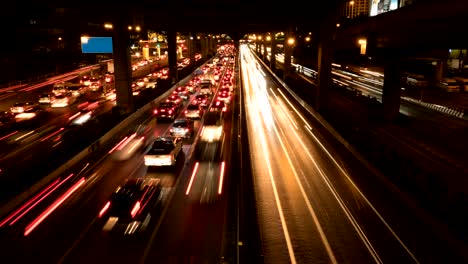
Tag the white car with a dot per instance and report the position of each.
(163, 152)
(62, 100)
(19, 108)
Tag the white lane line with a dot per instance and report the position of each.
(331, 255)
(365, 198)
(278, 203)
(281, 104)
(253, 122)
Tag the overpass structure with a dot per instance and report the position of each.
(412, 31)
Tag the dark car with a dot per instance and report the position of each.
(7, 119)
(129, 208)
(175, 99)
(202, 100)
(182, 128)
(166, 110)
(218, 106)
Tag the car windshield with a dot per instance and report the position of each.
(161, 147)
(166, 105)
(180, 123)
(193, 107)
(123, 200)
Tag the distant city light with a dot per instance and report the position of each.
(108, 25)
(130, 27)
(290, 41)
(137, 28)
(307, 39)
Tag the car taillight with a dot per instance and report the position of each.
(135, 209)
(186, 111)
(186, 130)
(155, 111)
(171, 130)
(170, 111)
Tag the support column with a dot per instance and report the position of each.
(122, 67)
(191, 47)
(440, 69)
(257, 44)
(273, 52)
(203, 46)
(325, 59)
(172, 54)
(391, 87)
(288, 51)
(264, 47)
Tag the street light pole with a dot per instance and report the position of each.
(351, 3)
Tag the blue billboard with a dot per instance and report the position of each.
(96, 44)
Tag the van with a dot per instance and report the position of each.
(449, 85)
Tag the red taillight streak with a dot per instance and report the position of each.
(155, 111)
(43, 197)
(29, 202)
(136, 144)
(170, 111)
(51, 135)
(221, 179)
(54, 206)
(9, 135)
(116, 146)
(192, 178)
(147, 201)
(73, 116)
(135, 209)
(126, 141)
(186, 111)
(104, 209)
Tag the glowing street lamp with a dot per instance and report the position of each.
(363, 43)
(291, 41)
(351, 3)
(108, 26)
(268, 38)
(307, 39)
(137, 28)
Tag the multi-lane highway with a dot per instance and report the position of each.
(316, 203)
(187, 225)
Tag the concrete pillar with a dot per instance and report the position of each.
(288, 51)
(172, 54)
(191, 48)
(440, 69)
(122, 67)
(273, 52)
(264, 47)
(203, 46)
(325, 59)
(257, 44)
(391, 87)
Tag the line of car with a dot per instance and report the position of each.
(129, 209)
